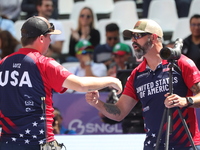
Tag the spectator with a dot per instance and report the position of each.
(7, 24)
(45, 9)
(8, 44)
(11, 9)
(121, 53)
(103, 53)
(29, 6)
(85, 31)
(191, 44)
(87, 67)
(57, 124)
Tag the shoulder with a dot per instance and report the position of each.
(185, 61)
(100, 46)
(187, 40)
(187, 65)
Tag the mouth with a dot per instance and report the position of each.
(135, 46)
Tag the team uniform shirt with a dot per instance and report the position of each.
(150, 87)
(27, 80)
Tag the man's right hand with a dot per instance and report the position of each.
(117, 86)
(92, 98)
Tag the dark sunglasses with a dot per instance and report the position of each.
(139, 35)
(112, 38)
(51, 29)
(87, 16)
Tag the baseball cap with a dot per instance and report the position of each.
(84, 47)
(144, 26)
(121, 49)
(36, 26)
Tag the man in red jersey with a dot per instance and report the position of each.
(149, 83)
(27, 79)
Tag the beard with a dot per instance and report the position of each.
(142, 50)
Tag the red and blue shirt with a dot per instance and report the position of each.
(150, 86)
(27, 80)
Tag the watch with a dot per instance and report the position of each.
(190, 101)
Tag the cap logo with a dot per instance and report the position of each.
(140, 25)
(137, 24)
(118, 46)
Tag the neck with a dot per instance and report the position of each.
(33, 47)
(153, 57)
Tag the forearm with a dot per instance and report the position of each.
(87, 84)
(109, 110)
(196, 98)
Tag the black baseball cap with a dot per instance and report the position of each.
(36, 26)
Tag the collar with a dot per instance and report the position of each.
(28, 50)
(144, 66)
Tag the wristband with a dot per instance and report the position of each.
(190, 101)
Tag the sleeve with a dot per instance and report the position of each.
(129, 89)
(56, 74)
(190, 72)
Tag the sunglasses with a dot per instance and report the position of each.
(51, 29)
(112, 38)
(85, 16)
(195, 25)
(139, 35)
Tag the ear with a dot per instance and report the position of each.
(154, 36)
(41, 38)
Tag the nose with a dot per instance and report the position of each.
(133, 39)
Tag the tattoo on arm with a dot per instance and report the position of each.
(112, 109)
(196, 88)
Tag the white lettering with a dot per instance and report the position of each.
(15, 80)
(5, 78)
(13, 76)
(16, 65)
(25, 80)
(78, 126)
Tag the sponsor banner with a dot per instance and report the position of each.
(78, 115)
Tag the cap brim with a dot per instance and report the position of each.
(119, 53)
(55, 32)
(128, 33)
